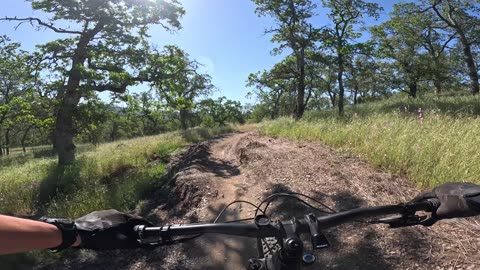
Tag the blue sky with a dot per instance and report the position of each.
(224, 35)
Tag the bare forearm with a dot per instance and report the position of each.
(21, 235)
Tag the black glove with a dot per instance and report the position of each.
(108, 229)
(456, 200)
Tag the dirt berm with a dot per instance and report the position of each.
(247, 166)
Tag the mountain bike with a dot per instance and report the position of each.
(279, 243)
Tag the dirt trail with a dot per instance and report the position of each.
(249, 167)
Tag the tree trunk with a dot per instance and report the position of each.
(438, 86)
(276, 106)
(24, 138)
(413, 89)
(183, 119)
(300, 85)
(341, 89)
(472, 69)
(437, 77)
(64, 128)
(1, 148)
(333, 97)
(7, 142)
(273, 112)
(355, 94)
(113, 132)
(309, 95)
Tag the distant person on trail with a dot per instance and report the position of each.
(110, 229)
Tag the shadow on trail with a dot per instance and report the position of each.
(353, 245)
(180, 197)
(199, 157)
(212, 251)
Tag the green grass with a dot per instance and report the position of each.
(113, 175)
(442, 147)
(18, 157)
(117, 175)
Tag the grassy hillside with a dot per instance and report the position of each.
(442, 146)
(455, 106)
(113, 175)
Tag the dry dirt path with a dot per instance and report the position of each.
(249, 167)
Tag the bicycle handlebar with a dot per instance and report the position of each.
(271, 230)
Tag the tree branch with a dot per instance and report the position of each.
(107, 87)
(444, 46)
(42, 23)
(434, 7)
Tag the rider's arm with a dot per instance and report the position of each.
(21, 235)
(99, 230)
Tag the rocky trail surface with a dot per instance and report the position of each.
(246, 166)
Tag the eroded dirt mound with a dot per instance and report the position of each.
(249, 167)
(251, 152)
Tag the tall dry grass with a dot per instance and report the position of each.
(432, 150)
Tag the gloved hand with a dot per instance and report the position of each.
(108, 229)
(456, 200)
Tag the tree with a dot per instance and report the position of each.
(275, 87)
(360, 76)
(150, 109)
(417, 43)
(345, 14)
(435, 41)
(89, 119)
(180, 82)
(461, 16)
(17, 83)
(399, 39)
(105, 50)
(293, 31)
(220, 111)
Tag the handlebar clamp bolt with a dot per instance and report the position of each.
(294, 245)
(255, 264)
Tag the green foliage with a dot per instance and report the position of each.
(116, 44)
(21, 107)
(275, 89)
(294, 32)
(180, 83)
(219, 112)
(292, 16)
